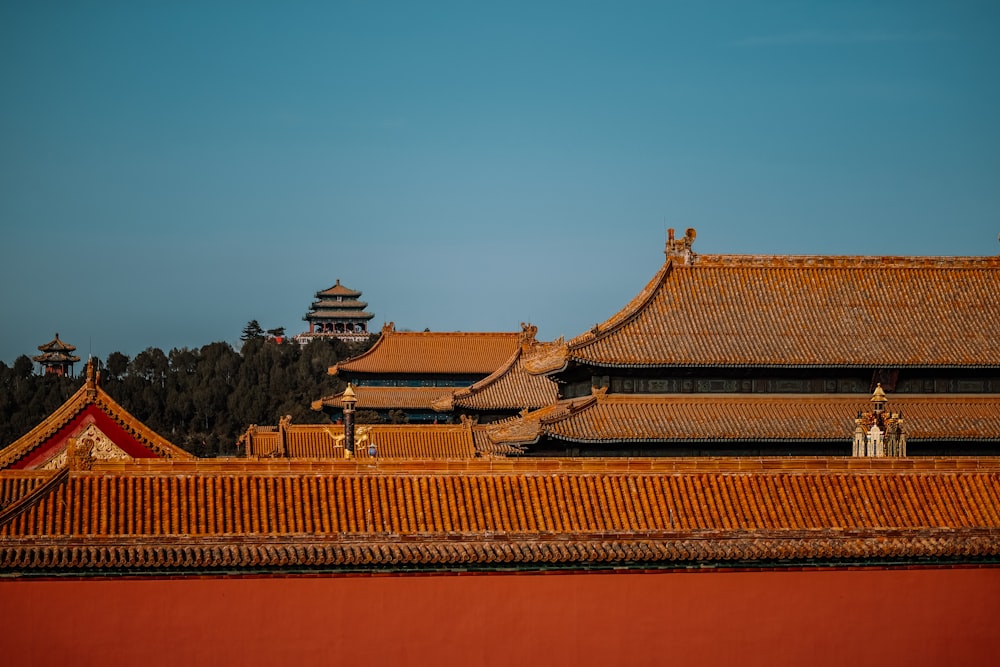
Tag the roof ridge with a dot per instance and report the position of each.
(846, 261)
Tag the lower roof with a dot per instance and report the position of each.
(608, 418)
(238, 515)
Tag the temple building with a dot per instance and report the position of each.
(56, 358)
(337, 312)
(654, 541)
(406, 373)
(767, 355)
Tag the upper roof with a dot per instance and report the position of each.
(785, 311)
(232, 515)
(57, 345)
(677, 418)
(338, 290)
(432, 352)
(510, 387)
(91, 412)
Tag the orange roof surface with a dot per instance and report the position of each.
(427, 352)
(57, 345)
(388, 398)
(89, 410)
(605, 417)
(736, 310)
(391, 441)
(509, 387)
(231, 514)
(338, 290)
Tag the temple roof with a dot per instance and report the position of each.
(289, 516)
(337, 305)
(338, 290)
(607, 418)
(388, 398)
(427, 352)
(326, 441)
(55, 357)
(337, 313)
(790, 311)
(57, 345)
(88, 408)
(510, 387)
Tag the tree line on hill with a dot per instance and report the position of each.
(199, 399)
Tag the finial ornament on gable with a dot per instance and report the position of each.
(92, 377)
(681, 248)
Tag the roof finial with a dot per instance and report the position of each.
(681, 248)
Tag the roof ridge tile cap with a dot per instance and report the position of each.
(847, 261)
(631, 310)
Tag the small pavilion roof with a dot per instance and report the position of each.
(607, 418)
(432, 352)
(800, 311)
(55, 358)
(57, 345)
(88, 406)
(338, 290)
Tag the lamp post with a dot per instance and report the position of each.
(349, 400)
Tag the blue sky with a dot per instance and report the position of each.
(169, 171)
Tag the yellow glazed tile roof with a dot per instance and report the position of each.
(509, 387)
(432, 352)
(388, 398)
(231, 515)
(607, 417)
(736, 310)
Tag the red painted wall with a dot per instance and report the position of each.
(817, 617)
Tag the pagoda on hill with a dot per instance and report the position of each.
(57, 358)
(337, 312)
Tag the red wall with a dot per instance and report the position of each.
(817, 617)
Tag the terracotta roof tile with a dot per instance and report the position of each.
(57, 345)
(413, 441)
(732, 310)
(388, 398)
(509, 387)
(338, 290)
(748, 417)
(239, 515)
(414, 353)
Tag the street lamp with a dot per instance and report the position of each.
(349, 400)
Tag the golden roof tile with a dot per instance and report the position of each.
(391, 441)
(431, 352)
(735, 418)
(509, 387)
(387, 398)
(749, 310)
(543, 513)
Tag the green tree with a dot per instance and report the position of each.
(252, 331)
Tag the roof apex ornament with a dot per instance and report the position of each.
(681, 248)
(528, 332)
(879, 433)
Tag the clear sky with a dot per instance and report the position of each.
(171, 170)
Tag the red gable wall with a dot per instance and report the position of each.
(89, 415)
